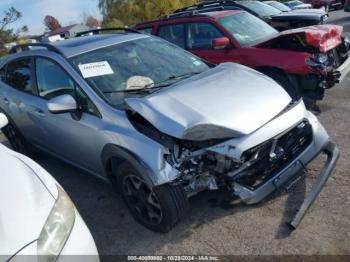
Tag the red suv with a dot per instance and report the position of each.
(335, 4)
(305, 61)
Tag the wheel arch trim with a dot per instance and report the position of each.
(113, 155)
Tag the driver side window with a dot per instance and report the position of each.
(53, 81)
(201, 35)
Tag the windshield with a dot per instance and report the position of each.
(262, 9)
(246, 28)
(294, 3)
(280, 6)
(136, 68)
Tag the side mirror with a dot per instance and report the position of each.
(221, 43)
(62, 104)
(3, 120)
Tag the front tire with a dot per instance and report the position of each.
(282, 79)
(159, 208)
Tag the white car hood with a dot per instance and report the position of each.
(25, 202)
(229, 100)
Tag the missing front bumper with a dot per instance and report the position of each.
(332, 152)
(249, 196)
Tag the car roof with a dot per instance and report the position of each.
(76, 46)
(212, 14)
(79, 45)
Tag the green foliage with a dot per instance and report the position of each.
(11, 15)
(131, 12)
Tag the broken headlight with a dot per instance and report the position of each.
(57, 228)
(318, 59)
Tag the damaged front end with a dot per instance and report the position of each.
(249, 150)
(206, 168)
(327, 59)
(251, 172)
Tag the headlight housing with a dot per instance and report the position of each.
(319, 59)
(57, 228)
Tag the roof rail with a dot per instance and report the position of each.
(203, 5)
(98, 31)
(26, 47)
(194, 11)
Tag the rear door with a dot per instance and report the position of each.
(18, 98)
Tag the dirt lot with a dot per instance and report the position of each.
(216, 226)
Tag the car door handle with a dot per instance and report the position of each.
(6, 101)
(39, 112)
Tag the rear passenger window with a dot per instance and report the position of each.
(18, 75)
(146, 31)
(173, 33)
(201, 35)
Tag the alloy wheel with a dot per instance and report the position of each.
(142, 200)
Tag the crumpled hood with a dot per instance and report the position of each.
(229, 100)
(323, 37)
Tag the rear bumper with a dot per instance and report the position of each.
(290, 173)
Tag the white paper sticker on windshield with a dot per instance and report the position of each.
(95, 69)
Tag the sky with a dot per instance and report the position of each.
(34, 11)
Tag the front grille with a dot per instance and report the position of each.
(275, 154)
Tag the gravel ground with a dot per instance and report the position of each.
(217, 226)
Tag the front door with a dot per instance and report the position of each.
(70, 135)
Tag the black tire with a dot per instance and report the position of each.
(15, 138)
(311, 105)
(160, 208)
(282, 79)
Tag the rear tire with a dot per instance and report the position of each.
(159, 208)
(15, 138)
(282, 79)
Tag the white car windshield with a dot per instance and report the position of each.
(262, 9)
(280, 6)
(136, 68)
(246, 29)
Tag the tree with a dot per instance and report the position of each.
(10, 15)
(92, 22)
(7, 35)
(131, 12)
(51, 23)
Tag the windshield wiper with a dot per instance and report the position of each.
(153, 86)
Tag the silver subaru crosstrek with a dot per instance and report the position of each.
(159, 123)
